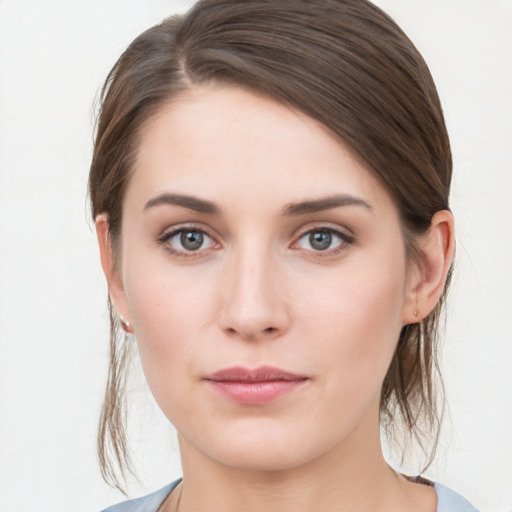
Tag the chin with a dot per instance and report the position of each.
(262, 458)
(263, 447)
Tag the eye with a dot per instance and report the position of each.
(187, 240)
(323, 239)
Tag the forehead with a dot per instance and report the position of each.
(218, 141)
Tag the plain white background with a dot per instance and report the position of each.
(54, 55)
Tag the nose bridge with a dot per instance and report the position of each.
(253, 301)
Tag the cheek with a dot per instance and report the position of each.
(170, 310)
(358, 316)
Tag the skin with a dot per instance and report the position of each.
(257, 292)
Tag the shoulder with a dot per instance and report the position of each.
(449, 501)
(149, 503)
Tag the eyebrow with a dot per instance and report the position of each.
(185, 201)
(290, 210)
(326, 203)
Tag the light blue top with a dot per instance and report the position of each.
(447, 501)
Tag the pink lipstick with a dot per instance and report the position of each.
(255, 387)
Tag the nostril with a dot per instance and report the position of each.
(252, 335)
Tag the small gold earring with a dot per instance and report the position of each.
(416, 312)
(125, 325)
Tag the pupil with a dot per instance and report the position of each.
(191, 240)
(320, 240)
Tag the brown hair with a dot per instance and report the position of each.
(344, 63)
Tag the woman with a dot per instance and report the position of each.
(270, 188)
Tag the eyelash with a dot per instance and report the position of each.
(345, 241)
(167, 236)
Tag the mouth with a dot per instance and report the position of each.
(255, 387)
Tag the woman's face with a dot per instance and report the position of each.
(263, 271)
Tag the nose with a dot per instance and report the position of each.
(254, 302)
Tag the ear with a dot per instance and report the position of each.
(429, 277)
(114, 279)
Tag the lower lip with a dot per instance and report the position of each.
(256, 393)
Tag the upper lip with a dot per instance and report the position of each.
(261, 374)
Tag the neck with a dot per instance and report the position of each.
(351, 476)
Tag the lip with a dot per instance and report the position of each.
(257, 386)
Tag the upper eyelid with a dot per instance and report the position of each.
(344, 236)
(325, 226)
(173, 230)
(346, 240)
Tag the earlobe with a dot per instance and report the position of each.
(114, 280)
(436, 249)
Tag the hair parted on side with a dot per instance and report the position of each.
(344, 63)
